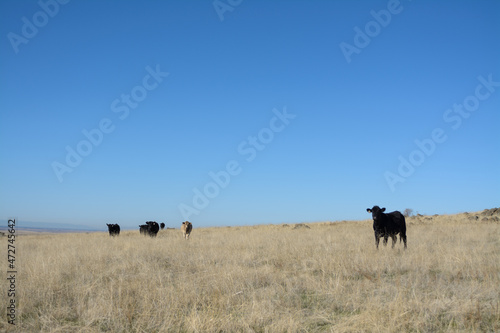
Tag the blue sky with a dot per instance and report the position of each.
(247, 112)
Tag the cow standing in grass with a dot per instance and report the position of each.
(151, 228)
(186, 228)
(390, 224)
(143, 229)
(114, 229)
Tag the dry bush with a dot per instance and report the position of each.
(328, 277)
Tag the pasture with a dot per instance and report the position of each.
(273, 278)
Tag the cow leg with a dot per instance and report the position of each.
(403, 237)
(394, 240)
(386, 238)
(377, 239)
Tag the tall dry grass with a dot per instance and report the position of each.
(263, 279)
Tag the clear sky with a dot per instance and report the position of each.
(246, 112)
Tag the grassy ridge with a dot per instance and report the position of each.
(328, 277)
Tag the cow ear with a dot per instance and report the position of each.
(382, 210)
(368, 210)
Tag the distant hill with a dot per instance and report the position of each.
(492, 214)
(28, 226)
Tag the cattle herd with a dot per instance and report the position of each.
(151, 229)
(384, 225)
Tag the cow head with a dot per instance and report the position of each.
(376, 211)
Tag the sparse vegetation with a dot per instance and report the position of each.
(408, 212)
(328, 277)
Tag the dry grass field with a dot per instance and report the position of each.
(277, 278)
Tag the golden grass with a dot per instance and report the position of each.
(326, 278)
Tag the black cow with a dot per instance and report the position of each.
(114, 229)
(162, 226)
(151, 228)
(143, 229)
(390, 224)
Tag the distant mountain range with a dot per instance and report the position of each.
(50, 227)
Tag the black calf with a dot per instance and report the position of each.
(390, 224)
(114, 229)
